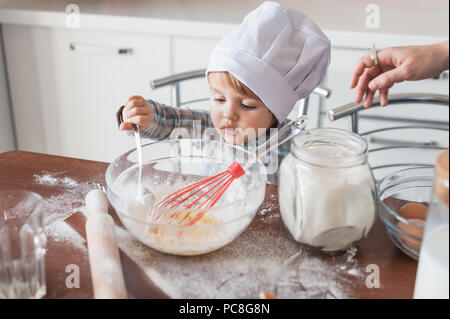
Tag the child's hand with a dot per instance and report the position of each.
(137, 111)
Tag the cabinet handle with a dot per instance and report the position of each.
(98, 49)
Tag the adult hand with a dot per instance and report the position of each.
(395, 65)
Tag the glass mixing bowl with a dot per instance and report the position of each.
(171, 165)
(401, 188)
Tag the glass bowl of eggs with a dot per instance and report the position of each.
(170, 165)
(403, 204)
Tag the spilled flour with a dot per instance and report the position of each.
(61, 232)
(263, 258)
(59, 207)
(48, 179)
(266, 208)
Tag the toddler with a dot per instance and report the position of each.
(256, 74)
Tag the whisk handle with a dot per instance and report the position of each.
(236, 170)
(282, 135)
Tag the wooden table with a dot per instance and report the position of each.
(20, 170)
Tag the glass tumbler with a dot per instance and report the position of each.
(22, 245)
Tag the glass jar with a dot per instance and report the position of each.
(432, 280)
(327, 191)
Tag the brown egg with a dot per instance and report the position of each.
(414, 211)
(412, 230)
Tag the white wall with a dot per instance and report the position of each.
(411, 17)
(2, 2)
(6, 126)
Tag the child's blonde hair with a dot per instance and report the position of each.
(232, 81)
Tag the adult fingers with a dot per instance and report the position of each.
(364, 62)
(384, 97)
(387, 79)
(369, 98)
(363, 83)
(360, 94)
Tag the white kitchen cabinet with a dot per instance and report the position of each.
(65, 100)
(188, 54)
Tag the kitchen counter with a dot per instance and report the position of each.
(344, 23)
(64, 182)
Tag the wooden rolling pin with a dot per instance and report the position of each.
(104, 259)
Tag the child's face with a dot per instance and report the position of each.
(237, 117)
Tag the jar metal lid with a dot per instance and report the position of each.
(330, 147)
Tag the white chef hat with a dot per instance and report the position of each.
(277, 52)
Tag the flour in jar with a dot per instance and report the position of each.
(324, 206)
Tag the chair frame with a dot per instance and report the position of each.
(353, 110)
(175, 80)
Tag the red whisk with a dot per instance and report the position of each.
(205, 193)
